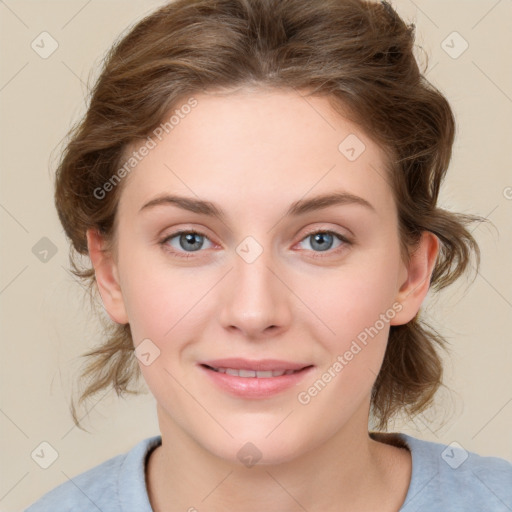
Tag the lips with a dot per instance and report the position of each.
(263, 365)
(260, 374)
(255, 379)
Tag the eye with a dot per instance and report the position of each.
(323, 240)
(183, 242)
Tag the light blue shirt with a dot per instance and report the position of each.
(445, 478)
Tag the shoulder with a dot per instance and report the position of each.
(105, 487)
(86, 491)
(448, 477)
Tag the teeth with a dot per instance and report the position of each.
(261, 374)
(247, 373)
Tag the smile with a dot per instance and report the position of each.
(260, 374)
(254, 379)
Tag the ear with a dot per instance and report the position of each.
(418, 272)
(107, 277)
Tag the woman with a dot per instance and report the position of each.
(255, 183)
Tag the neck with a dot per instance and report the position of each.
(350, 471)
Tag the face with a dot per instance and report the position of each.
(272, 275)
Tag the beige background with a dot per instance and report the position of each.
(45, 321)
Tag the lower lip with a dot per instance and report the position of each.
(254, 387)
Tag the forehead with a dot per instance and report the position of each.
(259, 147)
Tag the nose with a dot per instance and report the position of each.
(255, 301)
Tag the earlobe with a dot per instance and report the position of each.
(414, 289)
(107, 278)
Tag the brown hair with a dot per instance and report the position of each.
(356, 53)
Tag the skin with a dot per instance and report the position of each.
(253, 153)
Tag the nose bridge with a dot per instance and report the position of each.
(257, 299)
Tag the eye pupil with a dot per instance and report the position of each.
(319, 238)
(189, 239)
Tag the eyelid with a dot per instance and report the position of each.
(187, 229)
(346, 241)
(321, 229)
(164, 241)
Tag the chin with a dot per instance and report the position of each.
(256, 447)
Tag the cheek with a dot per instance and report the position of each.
(159, 296)
(164, 306)
(358, 314)
(148, 302)
(356, 304)
(354, 298)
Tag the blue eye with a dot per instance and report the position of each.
(184, 243)
(188, 241)
(323, 240)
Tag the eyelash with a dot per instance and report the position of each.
(317, 254)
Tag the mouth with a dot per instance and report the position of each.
(260, 374)
(254, 379)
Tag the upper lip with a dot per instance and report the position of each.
(261, 365)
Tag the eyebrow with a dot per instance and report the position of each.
(297, 208)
